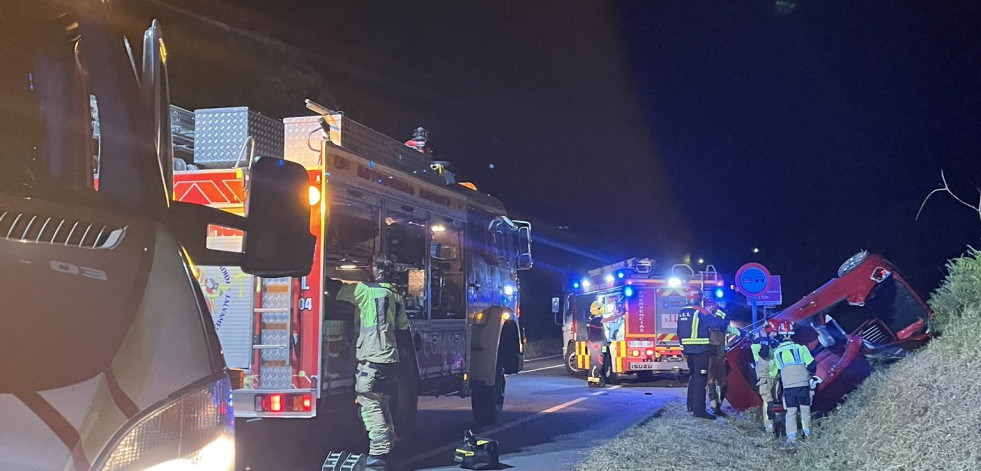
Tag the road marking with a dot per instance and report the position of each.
(542, 358)
(543, 368)
(452, 446)
(597, 393)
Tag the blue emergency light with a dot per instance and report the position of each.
(719, 292)
(628, 291)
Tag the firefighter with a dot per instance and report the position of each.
(694, 324)
(596, 342)
(796, 367)
(763, 345)
(381, 310)
(717, 370)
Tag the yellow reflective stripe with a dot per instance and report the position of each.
(694, 339)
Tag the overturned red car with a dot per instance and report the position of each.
(868, 311)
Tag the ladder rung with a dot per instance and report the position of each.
(263, 347)
(271, 309)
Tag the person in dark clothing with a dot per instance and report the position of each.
(694, 324)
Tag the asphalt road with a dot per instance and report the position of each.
(550, 421)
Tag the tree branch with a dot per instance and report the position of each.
(946, 188)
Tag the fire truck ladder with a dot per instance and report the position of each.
(271, 339)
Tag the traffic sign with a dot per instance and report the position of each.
(752, 279)
(773, 294)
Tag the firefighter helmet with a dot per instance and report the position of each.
(596, 308)
(693, 295)
(785, 328)
(383, 267)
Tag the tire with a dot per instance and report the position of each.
(404, 399)
(487, 401)
(570, 362)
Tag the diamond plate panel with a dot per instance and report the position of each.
(302, 139)
(220, 134)
(276, 293)
(276, 377)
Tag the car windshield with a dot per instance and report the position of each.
(45, 117)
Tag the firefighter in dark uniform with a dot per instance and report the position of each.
(597, 344)
(694, 324)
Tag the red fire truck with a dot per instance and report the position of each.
(458, 251)
(639, 310)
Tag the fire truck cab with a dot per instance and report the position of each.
(637, 318)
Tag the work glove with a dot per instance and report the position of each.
(815, 381)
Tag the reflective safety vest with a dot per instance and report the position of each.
(791, 360)
(694, 325)
(381, 311)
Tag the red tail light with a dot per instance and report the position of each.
(276, 402)
(306, 402)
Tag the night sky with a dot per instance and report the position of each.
(655, 128)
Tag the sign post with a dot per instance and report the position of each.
(752, 280)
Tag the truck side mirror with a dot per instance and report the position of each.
(524, 261)
(556, 309)
(277, 240)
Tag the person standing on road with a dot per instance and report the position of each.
(763, 346)
(694, 324)
(381, 311)
(796, 367)
(596, 342)
(718, 372)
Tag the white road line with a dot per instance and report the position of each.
(446, 448)
(597, 393)
(542, 368)
(543, 358)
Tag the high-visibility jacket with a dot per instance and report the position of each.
(763, 348)
(794, 362)
(694, 324)
(381, 311)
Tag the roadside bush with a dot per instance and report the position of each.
(961, 289)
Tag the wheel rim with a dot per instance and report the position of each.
(571, 363)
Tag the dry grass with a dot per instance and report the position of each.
(920, 414)
(674, 440)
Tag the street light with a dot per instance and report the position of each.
(701, 261)
(756, 250)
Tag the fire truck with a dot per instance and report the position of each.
(458, 252)
(639, 310)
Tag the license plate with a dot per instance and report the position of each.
(647, 365)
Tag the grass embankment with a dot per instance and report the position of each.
(922, 413)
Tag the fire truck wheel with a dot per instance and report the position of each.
(570, 362)
(488, 401)
(404, 400)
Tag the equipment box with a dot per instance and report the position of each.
(221, 136)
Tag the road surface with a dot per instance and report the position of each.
(550, 422)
